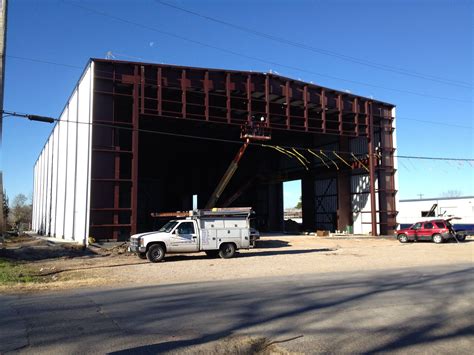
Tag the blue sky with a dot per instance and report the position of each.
(430, 37)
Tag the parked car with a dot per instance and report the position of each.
(436, 230)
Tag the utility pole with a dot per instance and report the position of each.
(420, 196)
(3, 43)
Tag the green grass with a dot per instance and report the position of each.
(14, 272)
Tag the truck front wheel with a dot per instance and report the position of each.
(227, 250)
(155, 253)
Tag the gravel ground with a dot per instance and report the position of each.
(274, 256)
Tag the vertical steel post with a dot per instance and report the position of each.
(116, 190)
(355, 108)
(323, 108)
(287, 101)
(135, 134)
(305, 103)
(249, 98)
(339, 115)
(183, 93)
(142, 89)
(267, 101)
(228, 103)
(206, 95)
(159, 91)
(370, 138)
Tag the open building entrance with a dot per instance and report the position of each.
(292, 204)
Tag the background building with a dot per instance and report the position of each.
(137, 138)
(415, 210)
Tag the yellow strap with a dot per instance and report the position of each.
(360, 162)
(316, 155)
(340, 158)
(301, 156)
(332, 161)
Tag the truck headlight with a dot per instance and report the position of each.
(141, 242)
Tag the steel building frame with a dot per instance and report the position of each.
(126, 94)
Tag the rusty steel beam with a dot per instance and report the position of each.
(159, 90)
(249, 98)
(135, 123)
(142, 89)
(116, 191)
(305, 104)
(183, 93)
(228, 103)
(355, 108)
(339, 115)
(287, 101)
(323, 108)
(206, 95)
(373, 207)
(267, 101)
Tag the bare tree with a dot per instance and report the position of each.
(5, 207)
(452, 193)
(20, 212)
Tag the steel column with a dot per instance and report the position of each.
(287, 101)
(206, 95)
(159, 91)
(356, 115)
(142, 89)
(249, 98)
(339, 116)
(370, 139)
(116, 190)
(228, 100)
(183, 93)
(267, 101)
(323, 108)
(305, 103)
(135, 134)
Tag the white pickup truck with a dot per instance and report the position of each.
(220, 231)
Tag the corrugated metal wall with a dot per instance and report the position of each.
(62, 172)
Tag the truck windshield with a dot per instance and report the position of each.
(168, 227)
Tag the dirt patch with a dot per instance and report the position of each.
(28, 264)
(236, 345)
(60, 266)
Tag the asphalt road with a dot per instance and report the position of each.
(404, 310)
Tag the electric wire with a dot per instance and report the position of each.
(322, 51)
(291, 67)
(277, 147)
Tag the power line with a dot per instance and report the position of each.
(167, 33)
(43, 61)
(322, 51)
(433, 122)
(222, 140)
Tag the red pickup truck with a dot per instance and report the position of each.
(436, 230)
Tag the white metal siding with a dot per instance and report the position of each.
(360, 192)
(62, 172)
(463, 207)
